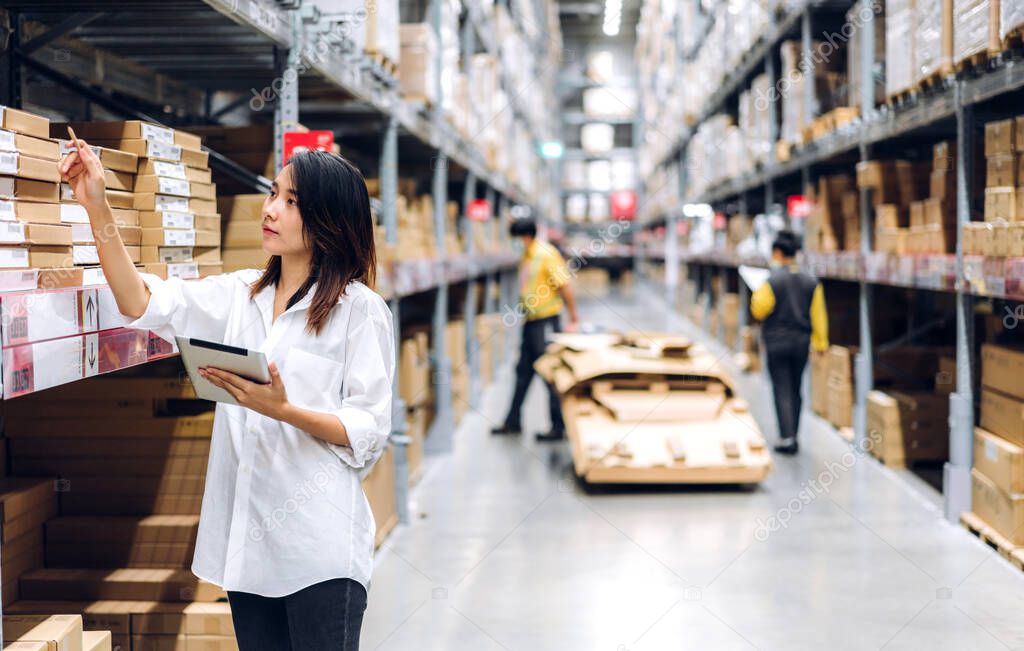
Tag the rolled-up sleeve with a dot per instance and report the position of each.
(367, 386)
(193, 308)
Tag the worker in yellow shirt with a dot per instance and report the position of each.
(792, 306)
(544, 290)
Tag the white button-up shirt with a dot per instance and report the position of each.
(282, 509)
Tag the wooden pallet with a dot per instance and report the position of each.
(994, 539)
(904, 96)
(418, 99)
(384, 62)
(1014, 38)
(976, 61)
(936, 79)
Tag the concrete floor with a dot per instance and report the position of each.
(507, 551)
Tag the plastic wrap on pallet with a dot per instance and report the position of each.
(864, 12)
(374, 32)
(448, 42)
(976, 28)
(417, 72)
(1011, 18)
(899, 46)
(933, 37)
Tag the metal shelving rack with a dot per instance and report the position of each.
(954, 107)
(131, 55)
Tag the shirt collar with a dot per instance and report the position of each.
(265, 303)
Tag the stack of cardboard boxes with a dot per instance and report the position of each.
(251, 147)
(417, 392)
(933, 220)
(455, 342)
(243, 234)
(998, 473)
(52, 633)
(1002, 232)
(172, 193)
(27, 503)
(894, 186)
(489, 336)
(832, 220)
(416, 235)
(417, 72)
(908, 426)
(839, 374)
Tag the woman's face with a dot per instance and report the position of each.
(282, 223)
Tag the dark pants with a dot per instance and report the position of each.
(786, 364)
(530, 348)
(323, 617)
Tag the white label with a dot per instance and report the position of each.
(163, 150)
(9, 162)
(7, 187)
(170, 170)
(73, 214)
(183, 270)
(82, 234)
(179, 220)
(85, 254)
(991, 451)
(66, 193)
(7, 141)
(12, 233)
(65, 147)
(157, 133)
(174, 254)
(14, 257)
(93, 276)
(179, 238)
(7, 212)
(173, 186)
(175, 204)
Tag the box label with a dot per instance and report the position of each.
(93, 276)
(179, 238)
(82, 233)
(178, 219)
(85, 254)
(73, 214)
(7, 141)
(7, 212)
(163, 150)
(171, 203)
(157, 133)
(12, 233)
(169, 170)
(9, 162)
(174, 254)
(183, 270)
(991, 451)
(13, 257)
(173, 186)
(66, 193)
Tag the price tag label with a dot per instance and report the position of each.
(156, 149)
(174, 186)
(7, 141)
(9, 162)
(179, 220)
(179, 238)
(158, 133)
(12, 233)
(13, 258)
(171, 203)
(7, 212)
(174, 254)
(169, 170)
(183, 270)
(73, 214)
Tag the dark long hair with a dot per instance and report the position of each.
(338, 228)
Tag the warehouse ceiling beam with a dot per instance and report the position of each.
(64, 27)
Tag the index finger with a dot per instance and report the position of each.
(234, 380)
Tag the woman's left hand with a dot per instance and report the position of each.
(271, 400)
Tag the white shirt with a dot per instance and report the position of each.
(283, 510)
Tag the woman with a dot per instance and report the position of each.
(285, 527)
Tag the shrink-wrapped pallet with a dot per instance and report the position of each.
(1011, 18)
(933, 38)
(899, 50)
(977, 27)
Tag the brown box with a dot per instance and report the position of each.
(416, 72)
(999, 460)
(247, 207)
(27, 167)
(119, 180)
(152, 202)
(379, 487)
(1002, 415)
(197, 618)
(27, 211)
(59, 632)
(97, 641)
(944, 156)
(1002, 512)
(235, 259)
(30, 146)
(24, 122)
(117, 160)
(939, 212)
(48, 234)
(414, 369)
(1000, 138)
(917, 214)
(27, 190)
(889, 216)
(159, 151)
(128, 129)
(186, 221)
(908, 426)
(168, 254)
(1001, 171)
(943, 185)
(243, 234)
(148, 166)
(1002, 369)
(1000, 203)
(117, 585)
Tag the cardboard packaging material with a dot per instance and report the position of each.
(1001, 170)
(1002, 368)
(1002, 415)
(118, 585)
(151, 202)
(59, 632)
(146, 149)
(28, 190)
(1000, 137)
(414, 370)
(1000, 204)
(166, 169)
(247, 207)
(1001, 511)
(26, 167)
(129, 129)
(29, 145)
(905, 427)
(1000, 461)
(379, 487)
(97, 641)
(24, 122)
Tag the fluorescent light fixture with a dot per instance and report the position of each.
(552, 149)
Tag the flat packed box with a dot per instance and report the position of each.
(1000, 203)
(148, 183)
(83, 234)
(179, 220)
(235, 259)
(115, 198)
(24, 122)
(27, 211)
(97, 641)
(123, 181)
(28, 190)
(180, 237)
(29, 145)
(87, 254)
(159, 151)
(151, 202)
(179, 254)
(1002, 415)
(247, 207)
(243, 235)
(999, 460)
(1000, 137)
(59, 632)
(117, 585)
(149, 166)
(18, 257)
(110, 158)
(129, 129)
(184, 270)
(26, 167)
(999, 510)
(943, 185)
(43, 234)
(939, 212)
(1002, 369)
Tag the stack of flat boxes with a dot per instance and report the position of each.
(31, 233)
(180, 234)
(1002, 232)
(46, 632)
(826, 226)
(26, 503)
(997, 494)
(243, 235)
(455, 342)
(416, 238)
(128, 507)
(894, 185)
(839, 408)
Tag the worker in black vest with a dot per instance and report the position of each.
(792, 306)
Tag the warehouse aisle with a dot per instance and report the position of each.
(506, 551)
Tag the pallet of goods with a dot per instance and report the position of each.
(643, 409)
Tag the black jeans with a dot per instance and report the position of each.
(323, 617)
(530, 348)
(786, 364)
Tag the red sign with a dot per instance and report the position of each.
(623, 204)
(299, 141)
(479, 210)
(720, 223)
(799, 207)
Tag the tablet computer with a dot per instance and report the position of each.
(197, 353)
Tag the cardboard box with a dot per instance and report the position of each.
(117, 160)
(27, 211)
(414, 370)
(248, 207)
(917, 218)
(117, 585)
(184, 643)
(24, 122)
(1002, 512)
(26, 167)
(59, 632)
(942, 185)
(112, 616)
(179, 237)
(129, 129)
(906, 427)
(243, 234)
(151, 202)
(28, 190)
(1000, 138)
(173, 186)
(184, 270)
(119, 180)
(148, 166)
(1001, 171)
(940, 212)
(169, 254)
(1002, 415)
(159, 150)
(179, 220)
(116, 198)
(125, 217)
(97, 641)
(235, 259)
(1002, 369)
(417, 73)
(197, 618)
(29, 145)
(26, 646)
(379, 487)
(999, 460)
(1000, 203)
